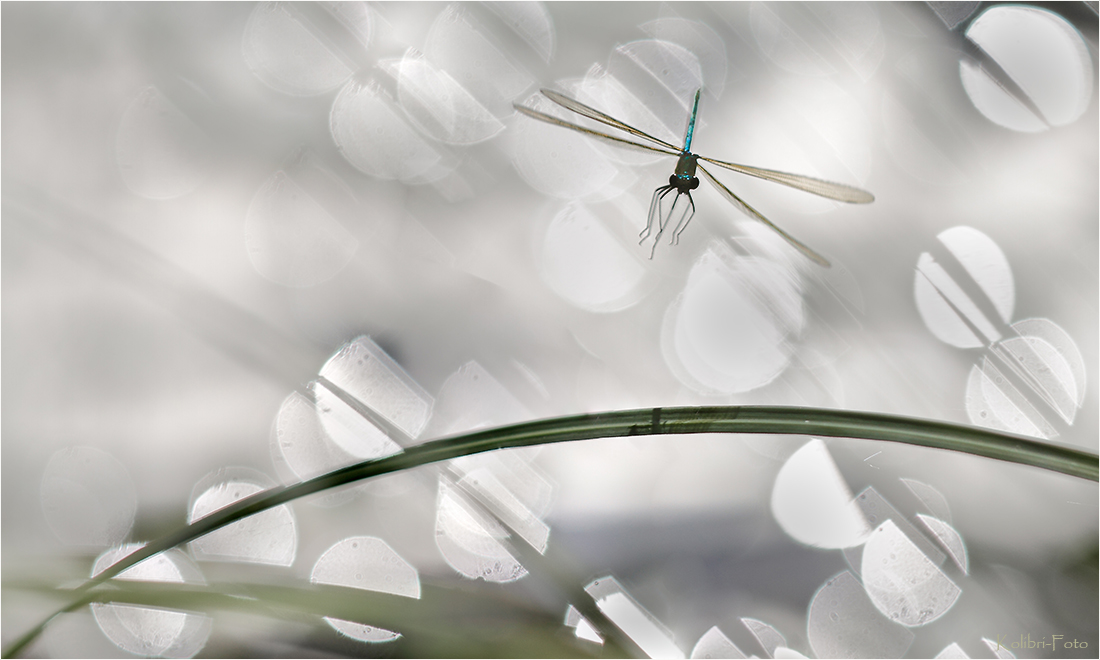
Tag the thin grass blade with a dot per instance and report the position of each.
(655, 421)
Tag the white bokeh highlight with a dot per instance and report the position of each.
(291, 239)
(289, 57)
(994, 402)
(437, 105)
(372, 133)
(767, 636)
(902, 582)
(949, 539)
(531, 21)
(953, 651)
(348, 430)
(700, 40)
(582, 628)
(731, 329)
(663, 77)
(1041, 53)
(470, 541)
(812, 502)
(587, 265)
(556, 161)
(269, 537)
(848, 33)
(1051, 358)
(653, 638)
(362, 369)
(368, 563)
(467, 53)
(147, 631)
(938, 296)
(715, 644)
(933, 500)
(842, 622)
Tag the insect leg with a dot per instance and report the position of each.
(652, 206)
(684, 221)
(664, 218)
(656, 206)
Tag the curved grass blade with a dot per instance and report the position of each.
(656, 421)
(594, 114)
(740, 203)
(820, 187)
(442, 618)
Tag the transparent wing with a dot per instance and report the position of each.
(588, 131)
(740, 203)
(592, 113)
(837, 191)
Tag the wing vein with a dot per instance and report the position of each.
(550, 119)
(837, 191)
(750, 211)
(592, 113)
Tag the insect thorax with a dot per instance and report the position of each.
(685, 167)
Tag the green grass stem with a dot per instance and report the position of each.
(645, 422)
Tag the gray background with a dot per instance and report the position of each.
(140, 327)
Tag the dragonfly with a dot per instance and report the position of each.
(683, 179)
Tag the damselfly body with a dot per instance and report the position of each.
(683, 179)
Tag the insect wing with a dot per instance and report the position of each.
(550, 119)
(740, 203)
(592, 113)
(837, 191)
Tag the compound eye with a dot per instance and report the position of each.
(672, 180)
(694, 183)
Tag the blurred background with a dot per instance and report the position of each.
(244, 244)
